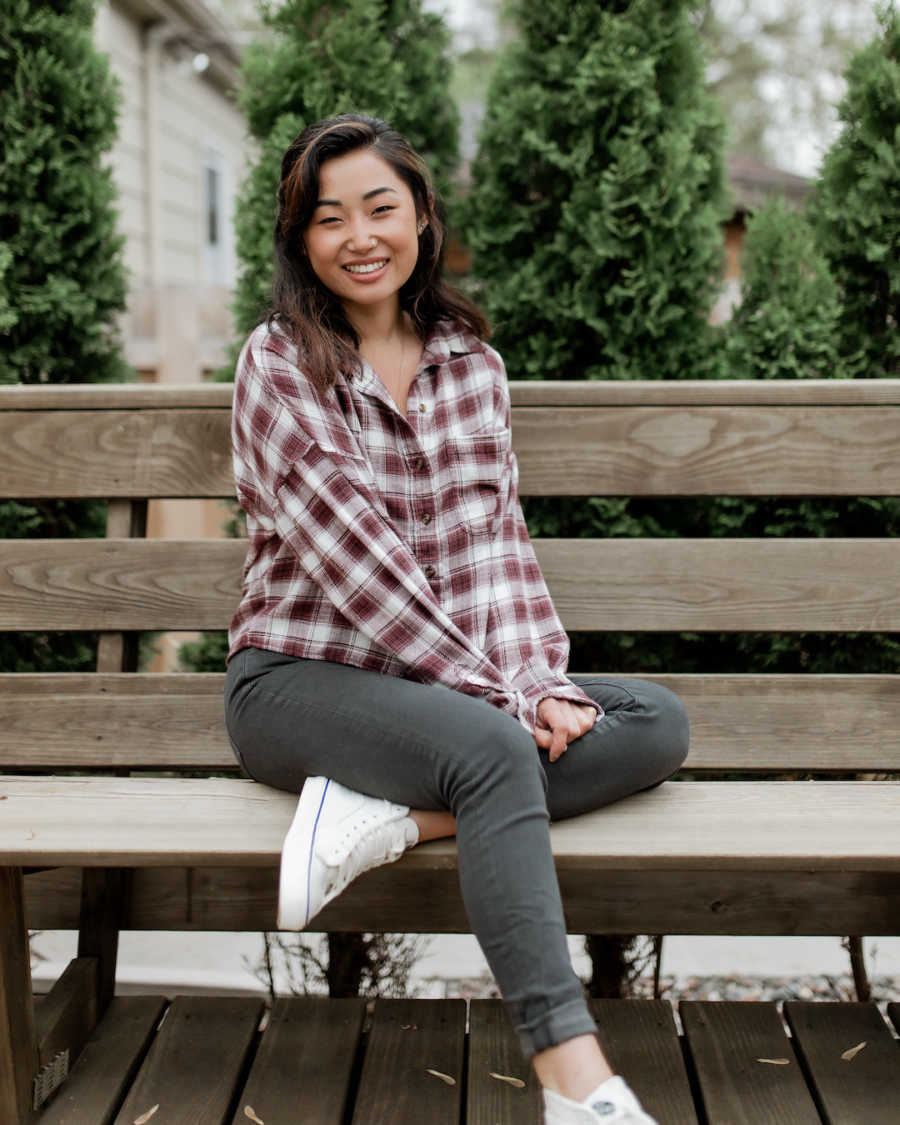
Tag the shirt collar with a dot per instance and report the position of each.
(446, 340)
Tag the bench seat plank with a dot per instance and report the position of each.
(408, 1039)
(133, 720)
(640, 1039)
(728, 1041)
(194, 1067)
(862, 1090)
(494, 1049)
(105, 1068)
(757, 585)
(158, 822)
(303, 1067)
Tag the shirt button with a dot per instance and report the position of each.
(426, 518)
(422, 407)
(419, 463)
(430, 572)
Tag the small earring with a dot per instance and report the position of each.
(421, 226)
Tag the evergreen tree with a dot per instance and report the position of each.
(598, 192)
(857, 206)
(786, 324)
(62, 279)
(63, 274)
(387, 58)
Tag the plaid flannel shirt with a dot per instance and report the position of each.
(393, 543)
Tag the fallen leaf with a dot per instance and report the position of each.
(443, 1077)
(850, 1055)
(145, 1117)
(250, 1112)
(517, 1082)
(775, 1062)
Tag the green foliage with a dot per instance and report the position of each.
(785, 327)
(62, 279)
(857, 206)
(387, 59)
(207, 654)
(598, 190)
(61, 274)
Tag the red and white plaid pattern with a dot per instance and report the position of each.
(391, 543)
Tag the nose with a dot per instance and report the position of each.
(359, 236)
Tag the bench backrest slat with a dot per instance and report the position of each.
(741, 585)
(675, 450)
(822, 723)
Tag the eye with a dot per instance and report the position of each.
(385, 207)
(329, 219)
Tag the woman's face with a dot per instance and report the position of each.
(362, 241)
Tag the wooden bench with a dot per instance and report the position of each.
(109, 821)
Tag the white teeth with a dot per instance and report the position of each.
(370, 268)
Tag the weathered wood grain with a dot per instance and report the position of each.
(861, 1090)
(762, 585)
(68, 1013)
(105, 1068)
(729, 1043)
(640, 1039)
(746, 722)
(708, 451)
(126, 453)
(303, 1067)
(216, 822)
(550, 392)
(408, 1039)
(494, 1049)
(18, 1039)
(618, 902)
(562, 450)
(194, 1066)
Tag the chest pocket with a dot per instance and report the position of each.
(473, 469)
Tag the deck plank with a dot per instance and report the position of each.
(494, 1049)
(727, 1042)
(408, 1039)
(641, 1041)
(303, 1068)
(862, 1090)
(107, 1064)
(195, 1062)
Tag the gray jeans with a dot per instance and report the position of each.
(431, 748)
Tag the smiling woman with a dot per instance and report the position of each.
(395, 657)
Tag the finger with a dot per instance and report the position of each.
(543, 738)
(558, 744)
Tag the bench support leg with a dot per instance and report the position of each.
(18, 1042)
(104, 892)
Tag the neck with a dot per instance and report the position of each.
(379, 324)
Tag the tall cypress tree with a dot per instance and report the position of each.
(387, 58)
(62, 278)
(598, 192)
(857, 206)
(60, 257)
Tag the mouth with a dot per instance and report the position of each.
(361, 269)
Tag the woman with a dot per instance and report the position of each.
(395, 654)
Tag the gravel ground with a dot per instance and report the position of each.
(731, 987)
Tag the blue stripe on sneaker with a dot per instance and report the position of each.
(312, 848)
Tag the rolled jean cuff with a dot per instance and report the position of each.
(555, 1027)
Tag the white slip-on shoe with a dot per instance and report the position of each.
(336, 834)
(612, 1103)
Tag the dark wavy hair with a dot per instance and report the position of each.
(310, 314)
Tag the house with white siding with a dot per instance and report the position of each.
(178, 161)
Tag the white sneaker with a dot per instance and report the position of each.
(612, 1103)
(335, 835)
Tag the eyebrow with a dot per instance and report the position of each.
(368, 195)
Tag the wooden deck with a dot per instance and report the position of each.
(227, 1061)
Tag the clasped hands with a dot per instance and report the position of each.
(560, 722)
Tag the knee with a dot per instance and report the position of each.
(501, 755)
(671, 727)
